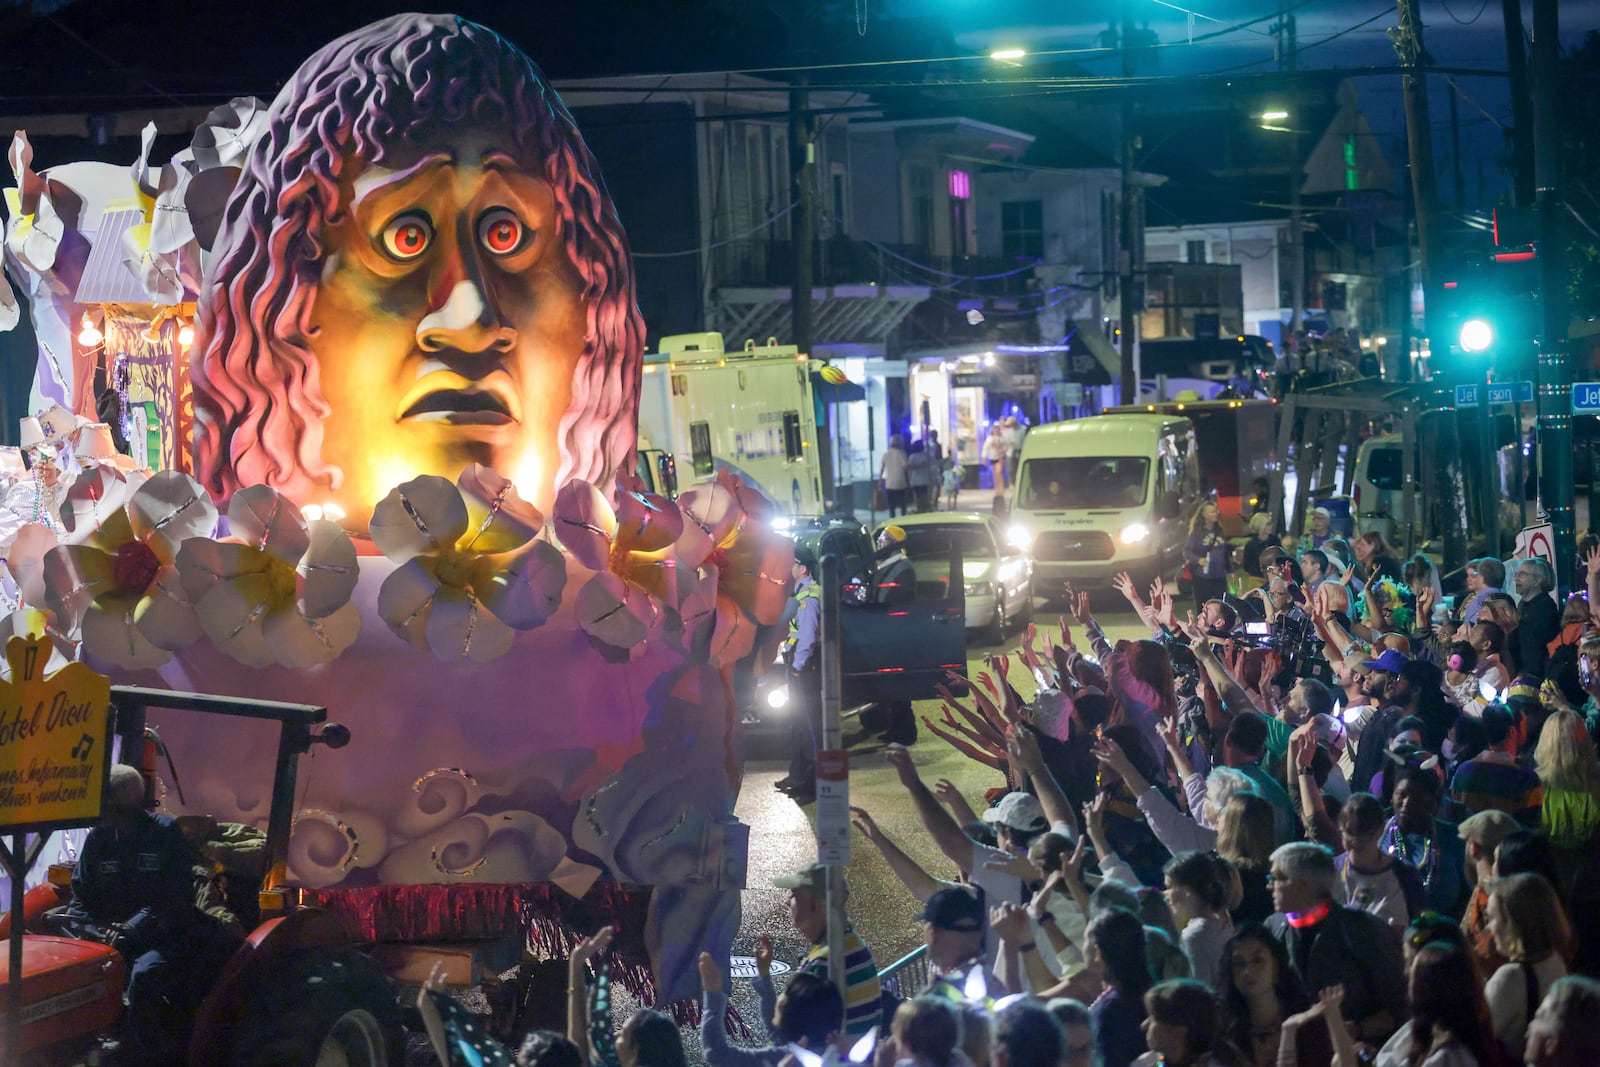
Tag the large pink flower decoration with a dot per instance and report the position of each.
(117, 586)
(634, 547)
(471, 572)
(277, 590)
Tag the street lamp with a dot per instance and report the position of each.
(1476, 336)
(1274, 116)
(1007, 54)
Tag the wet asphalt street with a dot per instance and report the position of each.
(782, 840)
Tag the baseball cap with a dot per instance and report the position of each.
(1019, 811)
(957, 907)
(1392, 661)
(1324, 512)
(1328, 731)
(1488, 828)
(813, 878)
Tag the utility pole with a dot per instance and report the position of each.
(802, 236)
(1288, 63)
(1419, 136)
(1127, 258)
(1521, 104)
(1555, 369)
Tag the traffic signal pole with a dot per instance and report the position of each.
(1555, 368)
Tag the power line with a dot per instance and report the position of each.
(1464, 22)
(1352, 29)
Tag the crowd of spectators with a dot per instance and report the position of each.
(1205, 850)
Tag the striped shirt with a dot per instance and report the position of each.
(863, 1007)
(1481, 784)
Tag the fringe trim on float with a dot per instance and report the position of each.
(551, 921)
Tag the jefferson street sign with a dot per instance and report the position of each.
(1499, 393)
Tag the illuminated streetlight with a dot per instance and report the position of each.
(1476, 335)
(1274, 116)
(1007, 53)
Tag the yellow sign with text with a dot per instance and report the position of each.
(55, 736)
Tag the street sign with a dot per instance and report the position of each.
(1586, 398)
(833, 807)
(55, 734)
(1537, 542)
(1499, 393)
(1069, 394)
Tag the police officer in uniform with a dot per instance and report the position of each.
(134, 886)
(803, 654)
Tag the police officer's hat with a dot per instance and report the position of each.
(806, 558)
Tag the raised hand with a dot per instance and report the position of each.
(1591, 562)
(1170, 732)
(1110, 753)
(1072, 862)
(1023, 748)
(947, 792)
(1010, 922)
(1066, 630)
(899, 757)
(710, 974)
(1123, 583)
(1302, 746)
(1081, 611)
(862, 820)
(764, 955)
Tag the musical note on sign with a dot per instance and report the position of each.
(81, 750)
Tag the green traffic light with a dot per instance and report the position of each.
(1476, 335)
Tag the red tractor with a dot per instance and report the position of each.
(297, 991)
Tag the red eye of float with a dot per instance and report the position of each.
(408, 236)
(501, 232)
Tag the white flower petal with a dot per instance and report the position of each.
(95, 498)
(585, 524)
(233, 614)
(74, 575)
(170, 508)
(298, 642)
(498, 520)
(113, 638)
(527, 593)
(328, 571)
(611, 610)
(461, 629)
(166, 617)
(405, 599)
(25, 561)
(263, 518)
(425, 516)
(203, 564)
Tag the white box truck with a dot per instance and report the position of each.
(752, 412)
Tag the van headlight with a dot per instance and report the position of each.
(1019, 536)
(1134, 533)
(778, 697)
(977, 589)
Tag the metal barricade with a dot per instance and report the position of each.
(909, 975)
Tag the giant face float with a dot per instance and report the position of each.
(415, 391)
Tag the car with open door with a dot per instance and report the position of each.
(888, 652)
(997, 578)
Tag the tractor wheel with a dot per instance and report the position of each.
(323, 1008)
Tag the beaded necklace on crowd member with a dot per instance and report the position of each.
(1397, 839)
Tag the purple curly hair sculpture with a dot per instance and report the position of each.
(373, 94)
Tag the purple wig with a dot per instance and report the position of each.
(399, 82)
